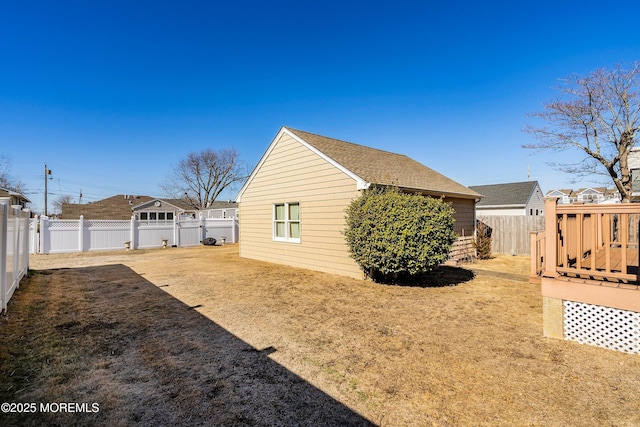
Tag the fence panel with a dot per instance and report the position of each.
(14, 249)
(150, 234)
(104, 235)
(4, 213)
(9, 254)
(511, 234)
(63, 236)
(189, 232)
(219, 213)
(222, 229)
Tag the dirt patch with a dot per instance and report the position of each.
(202, 337)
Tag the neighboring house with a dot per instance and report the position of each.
(590, 195)
(586, 195)
(15, 198)
(612, 195)
(293, 204)
(123, 206)
(162, 210)
(227, 209)
(564, 196)
(515, 198)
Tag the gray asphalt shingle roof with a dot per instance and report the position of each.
(514, 193)
(383, 167)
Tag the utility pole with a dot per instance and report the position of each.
(47, 172)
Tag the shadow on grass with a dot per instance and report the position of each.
(440, 277)
(106, 335)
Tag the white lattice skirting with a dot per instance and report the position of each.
(602, 326)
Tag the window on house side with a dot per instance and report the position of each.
(286, 222)
(156, 216)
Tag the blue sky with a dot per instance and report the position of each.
(111, 94)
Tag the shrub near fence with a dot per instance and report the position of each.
(14, 249)
(511, 234)
(62, 236)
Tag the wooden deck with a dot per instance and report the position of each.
(608, 264)
(587, 241)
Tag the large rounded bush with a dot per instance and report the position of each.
(390, 232)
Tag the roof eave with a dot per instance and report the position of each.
(433, 192)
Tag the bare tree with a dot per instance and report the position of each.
(61, 200)
(599, 115)
(201, 177)
(6, 180)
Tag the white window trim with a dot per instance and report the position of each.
(156, 220)
(287, 221)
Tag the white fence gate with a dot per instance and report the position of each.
(14, 249)
(49, 236)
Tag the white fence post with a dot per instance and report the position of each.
(203, 226)
(132, 233)
(176, 231)
(27, 218)
(81, 233)
(33, 235)
(234, 221)
(44, 232)
(16, 247)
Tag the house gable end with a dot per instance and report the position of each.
(361, 184)
(151, 203)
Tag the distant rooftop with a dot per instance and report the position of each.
(513, 193)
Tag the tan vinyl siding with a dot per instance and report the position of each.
(465, 215)
(293, 173)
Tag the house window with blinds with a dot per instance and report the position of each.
(286, 222)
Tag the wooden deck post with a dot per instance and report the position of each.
(551, 240)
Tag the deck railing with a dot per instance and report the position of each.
(590, 241)
(537, 245)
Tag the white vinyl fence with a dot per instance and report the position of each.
(14, 249)
(50, 236)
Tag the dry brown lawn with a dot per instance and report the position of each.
(200, 336)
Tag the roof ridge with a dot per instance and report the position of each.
(347, 142)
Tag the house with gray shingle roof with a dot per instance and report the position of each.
(123, 206)
(292, 206)
(514, 198)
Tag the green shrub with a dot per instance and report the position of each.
(395, 233)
